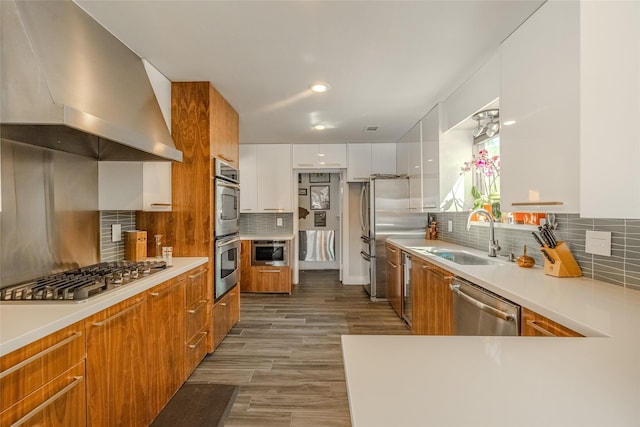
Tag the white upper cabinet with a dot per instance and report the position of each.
(539, 90)
(402, 156)
(364, 159)
(266, 178)
(414, 153)
(319, 156)
(134, 186)
(609, 109)
(431, 159)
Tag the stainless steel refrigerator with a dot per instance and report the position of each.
(384, 213)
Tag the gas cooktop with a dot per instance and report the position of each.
(81, 283)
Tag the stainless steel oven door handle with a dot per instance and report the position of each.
(482, 306)
(227, 242)
(230, 185)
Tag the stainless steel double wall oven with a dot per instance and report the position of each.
(227, 227)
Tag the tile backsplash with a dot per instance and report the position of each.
(114, 251)
(265, 223)
(621, 268)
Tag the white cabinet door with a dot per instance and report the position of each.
(332, 156)
(414, 142)
(120, 186)
(319, 156)
(402, 157)
(305, 156)
(539, 89)
(248, 178)
(609, 109)
(275, 182)
(359, 162)
(431, 159)
(383, 158)
(156, 183)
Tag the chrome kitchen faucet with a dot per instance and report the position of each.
(494, 247)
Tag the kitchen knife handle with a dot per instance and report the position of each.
(548, 257)
(538, 239)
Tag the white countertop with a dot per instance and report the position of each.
(283, 236)
(22, 323)
(409, 381)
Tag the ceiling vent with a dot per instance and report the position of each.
(371, 128)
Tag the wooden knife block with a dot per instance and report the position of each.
(565, 264)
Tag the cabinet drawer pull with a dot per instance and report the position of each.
(269, 271)
(44, 352)
(223, 304)
(225, 158)
(272, 209)
(332, 164)
(537, 203)
(198, 341)
(392, 250)
(161, 204)
(392, 264)
(122, 313)
(195, 310)
(165, 290)
(540, 329)
(306, 164)
(195, 276)
(49, 401)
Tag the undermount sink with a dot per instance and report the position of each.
(459, 257)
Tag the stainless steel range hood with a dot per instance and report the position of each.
(69, 84)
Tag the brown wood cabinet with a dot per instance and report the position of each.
(394, 277)
(197, 326)
(245, 264)
(44, 383)
(226, 313)
(432, 311)
(269, 279)
(536, 325)
(203, 126)
(118, 365)
(166, 341)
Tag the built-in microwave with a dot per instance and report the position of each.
(227, 199)
(270, 252)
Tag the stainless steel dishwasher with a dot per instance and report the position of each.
(480, 312)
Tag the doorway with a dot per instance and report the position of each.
(319, 221)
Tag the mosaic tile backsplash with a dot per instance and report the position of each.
(621, 268)
(114, 251)
(265, 223)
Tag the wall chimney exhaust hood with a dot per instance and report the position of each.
(70, 85)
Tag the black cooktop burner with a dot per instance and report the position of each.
(81, 283)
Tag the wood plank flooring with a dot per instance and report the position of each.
(285, 352)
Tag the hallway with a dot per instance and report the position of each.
(285, 352)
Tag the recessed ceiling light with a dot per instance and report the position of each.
(319, 87)
(509, 122)
(319, 127)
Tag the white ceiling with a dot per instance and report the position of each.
(388, 62)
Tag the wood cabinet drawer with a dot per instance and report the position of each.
(61, 402)
(536, 325)
(196, 319)
(195, 351)
(393, 254)
(29, 368)
(270, 279)
(196, 288)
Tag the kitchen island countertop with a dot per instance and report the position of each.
(22, 323)
(506, 381)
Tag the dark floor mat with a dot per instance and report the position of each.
(198, 405)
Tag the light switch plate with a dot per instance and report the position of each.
(116, 232)
(598, 243)
(278, 222)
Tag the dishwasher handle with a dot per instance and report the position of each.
(482, 306)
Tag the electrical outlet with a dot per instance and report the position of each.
(450, 226)
(279, 222)
(598, 243)
(116, 232)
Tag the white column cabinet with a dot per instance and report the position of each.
(609, 109)
(134, 186)
(539, 89)
(265, 178)
(365, 159)
(414, 153)
(319, 156)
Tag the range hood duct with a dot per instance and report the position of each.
(70, 85)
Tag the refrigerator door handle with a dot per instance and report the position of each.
(365, 256)
(362, 207)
